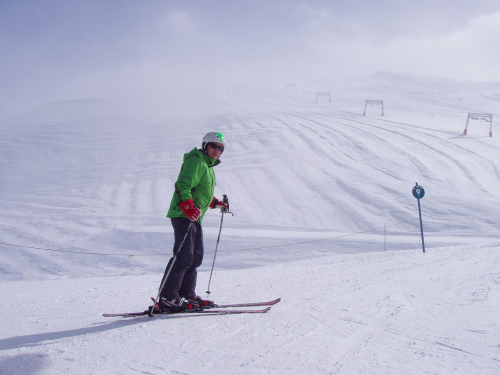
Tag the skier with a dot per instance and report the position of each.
(194, 194)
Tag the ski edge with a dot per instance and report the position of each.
(250, 304)
(224, 312)
(125, 315)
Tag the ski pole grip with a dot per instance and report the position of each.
(225, 199)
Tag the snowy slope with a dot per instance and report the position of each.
(94, 176)
(394, 312)
(312, 185)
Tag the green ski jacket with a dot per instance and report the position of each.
(196, 181)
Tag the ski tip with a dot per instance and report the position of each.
(274, 302)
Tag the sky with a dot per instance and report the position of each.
(59, 50)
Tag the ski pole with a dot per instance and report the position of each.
(225, 199)
(170, 269)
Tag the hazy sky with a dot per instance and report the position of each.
(65, 49)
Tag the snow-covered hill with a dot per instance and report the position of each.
(94, 176)
(324, 218)
(384, 313)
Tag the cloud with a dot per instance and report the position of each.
(178, 22)
(469, 53)
(59, 49)
(341, 47)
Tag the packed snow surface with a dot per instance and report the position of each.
(323, 218)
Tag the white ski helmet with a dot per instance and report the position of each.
(213, 137)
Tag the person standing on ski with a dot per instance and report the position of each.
(194, 194)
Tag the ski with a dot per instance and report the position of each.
(250, 304)
(195, 312)
(244, 304)
(210, 310)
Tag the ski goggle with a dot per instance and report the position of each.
(216, 146)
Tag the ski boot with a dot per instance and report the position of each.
(176, 305)
(202, 303)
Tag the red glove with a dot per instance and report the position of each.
(219, 204)
(188, 208)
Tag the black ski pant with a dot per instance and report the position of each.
(181, 281)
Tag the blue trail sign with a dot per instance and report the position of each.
(419, 192)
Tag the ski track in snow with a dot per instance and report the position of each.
(74, 177)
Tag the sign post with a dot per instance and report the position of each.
(419, 192)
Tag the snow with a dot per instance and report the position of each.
(324, 218)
